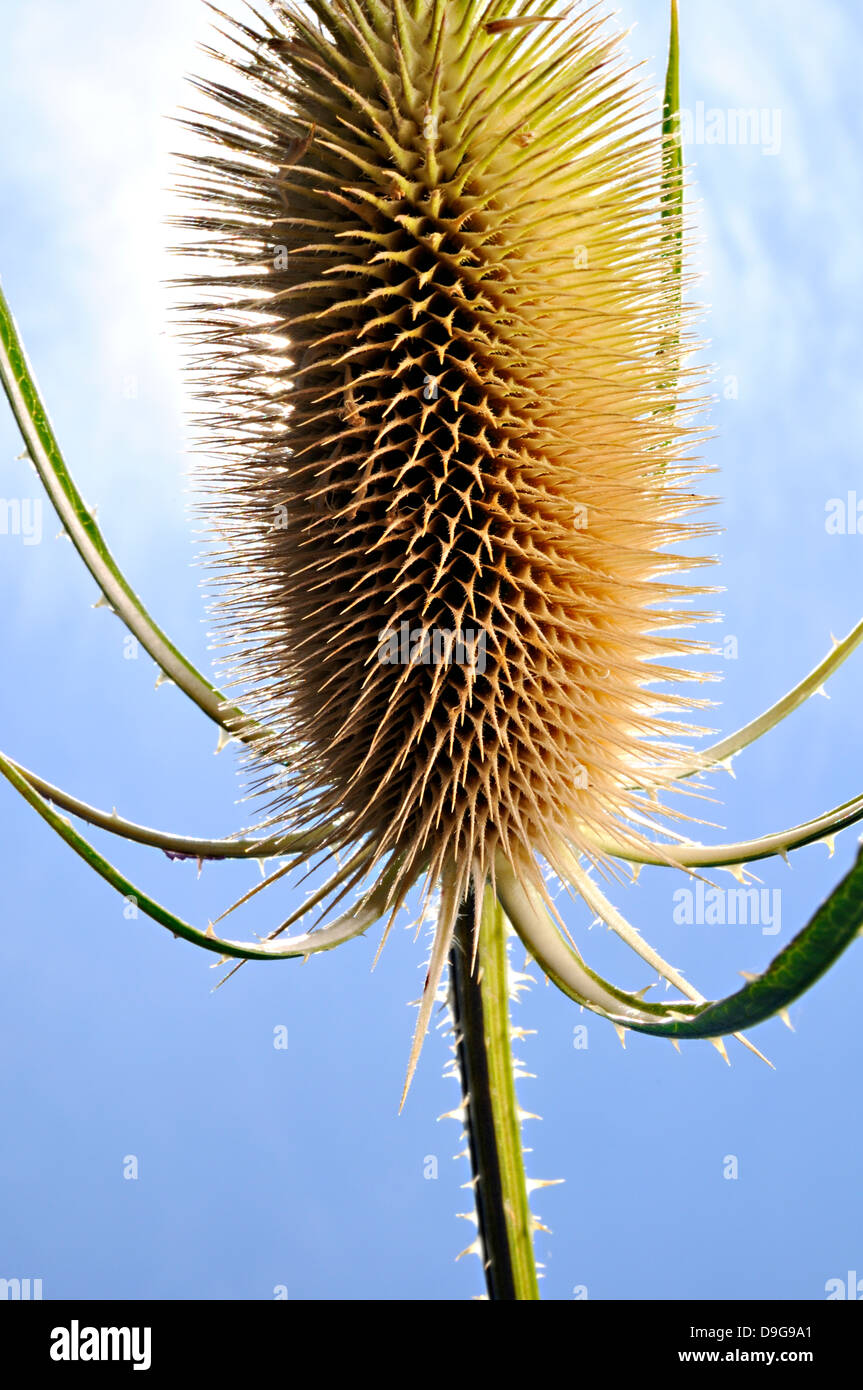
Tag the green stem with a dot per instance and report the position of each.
(44, 451)
(480, 1003)
(673, 150)
(672, 195)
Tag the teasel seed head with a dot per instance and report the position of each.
(444, 400)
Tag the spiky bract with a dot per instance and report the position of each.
(446, 371)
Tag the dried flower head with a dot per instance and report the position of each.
(450, 439)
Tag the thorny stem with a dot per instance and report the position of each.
(480, 1005)
(259, 849)
(42, 448)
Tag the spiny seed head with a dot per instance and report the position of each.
(450, 438)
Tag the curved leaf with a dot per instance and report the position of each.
(358, 919)
(44, 451)
(739, 853)
(179, 846)
(729, 747)
(803, 961)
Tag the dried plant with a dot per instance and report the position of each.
(444, 367)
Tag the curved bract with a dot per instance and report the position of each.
(44, 452)
(368, 910)
(740, 853)
(797, 967)
(794, 970)
(557, 958)
(178, 846)
(728, 748)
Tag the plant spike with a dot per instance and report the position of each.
(527, 912)
(672, 181)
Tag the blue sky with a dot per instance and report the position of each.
(260, 1168)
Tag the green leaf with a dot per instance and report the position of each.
(803, 961)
